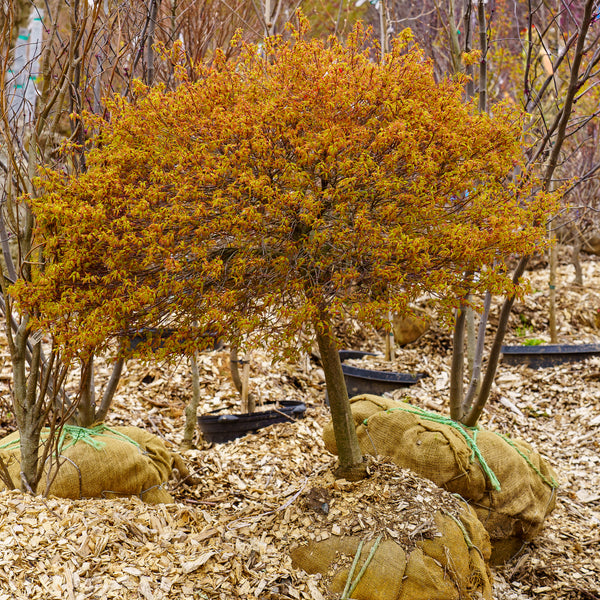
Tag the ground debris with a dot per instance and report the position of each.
(246, 502)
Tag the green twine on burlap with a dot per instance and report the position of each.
(87, 435)
(10, 444)
(351, 584)
(552, 483)
(462, 429)
(466, 536)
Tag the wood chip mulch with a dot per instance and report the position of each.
(249, 500)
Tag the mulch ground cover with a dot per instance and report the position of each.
(248, 501)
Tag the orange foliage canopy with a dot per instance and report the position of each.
(296, 181)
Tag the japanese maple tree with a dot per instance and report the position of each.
(294, 183)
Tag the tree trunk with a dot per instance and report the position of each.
(351, 464)
(390, 342)
(86, 409)
(234, 369)
(475, 375)
(483, 46)
(575, 253)
(553, 267)
(248, 404)
(110, 389)
(471, 341)
(27, 409)
(191, 410)
(484, 393)
(152, 15)
(457, 368)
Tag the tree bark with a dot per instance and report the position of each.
(351, 464)
(390, 342)
(553, 267)
(234, 369)
(457, 368)
(248, 404)
(475, 375)
(191, 410)
(471, 341)
(27, 409)
(111, 388)
(86, 409)
(484, 393)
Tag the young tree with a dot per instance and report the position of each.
(29, 119)
(56, 59)
(296, 182)
(557, 116)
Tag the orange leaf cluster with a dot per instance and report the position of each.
(299, 178)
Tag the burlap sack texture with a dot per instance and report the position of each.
(100, 462)
(452, 566)
(512, 514)
(410, 328)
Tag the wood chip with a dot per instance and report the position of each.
(227, 536)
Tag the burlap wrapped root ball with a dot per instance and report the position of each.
(511, 487)
(409, 328)
(101, 462)
(408, 539)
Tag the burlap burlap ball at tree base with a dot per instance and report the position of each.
(511, 487)
(100, 462)
(398, 537)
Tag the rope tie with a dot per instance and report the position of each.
(351, 584)
(472, 443)
(466, 536)
(552, 483)
(462, 429)
(86, 434)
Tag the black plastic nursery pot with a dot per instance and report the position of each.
(548, 355)
(221, 428)
(367, 381)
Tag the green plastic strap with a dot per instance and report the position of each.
(349, 588)
(550, 482)
(462, 429)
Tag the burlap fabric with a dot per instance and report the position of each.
(102, 462)
(512, 514)
(451, 566)
(409, 328)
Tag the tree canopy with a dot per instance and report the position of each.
(295, 181)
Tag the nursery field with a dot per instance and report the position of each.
(246, 503)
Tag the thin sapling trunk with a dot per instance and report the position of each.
(457, 369)
(352, 466)
(475, 411)
(191, 410)
(475, 375)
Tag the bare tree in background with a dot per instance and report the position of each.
(550, 97)
(58, 59)
(543, 56)
(30, 117)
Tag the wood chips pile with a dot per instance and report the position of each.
(250, 500)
